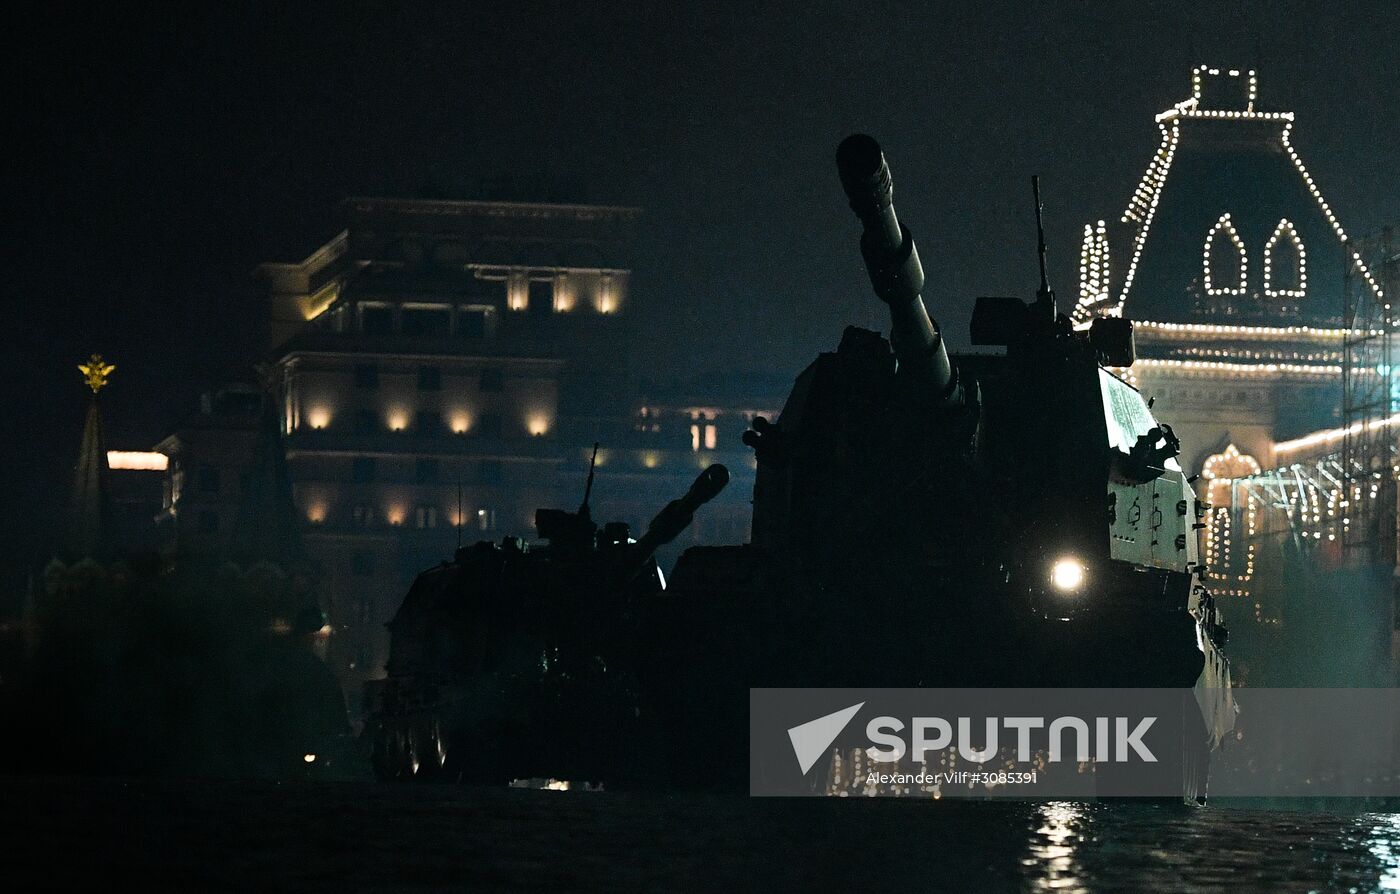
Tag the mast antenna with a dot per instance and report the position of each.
(588, 486)
(1044, 296)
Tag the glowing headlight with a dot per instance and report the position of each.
(1067, 574)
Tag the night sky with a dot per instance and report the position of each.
(158, 155)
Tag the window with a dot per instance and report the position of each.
(490, 471)
(209, 522)
(492, 379)
(429, 378)
(473, 322)
(1226, 272)
(1285, 263)
(425, 320)
(366, 422)
(362, 563)
(425, 470)
(366, 376)
(428, 422)
(541, 296)
(425, 517)
(376, 319)
(362, 469)
(489, 426)
(209, 480)
(485, 519)
(703, 433)
(363, 516)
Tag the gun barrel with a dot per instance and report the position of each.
(895, 271)
(676, 515)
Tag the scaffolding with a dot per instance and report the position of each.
(1340, 504)
(1370, 398)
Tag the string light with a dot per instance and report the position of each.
(1094, 265)
(1142, 206)
(1243, 286)
(1285, 227)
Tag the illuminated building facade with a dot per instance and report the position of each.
(1232, 264)
(1241, 282)
(443, 370)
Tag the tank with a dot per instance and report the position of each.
(518, 660)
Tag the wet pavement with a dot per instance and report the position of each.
(63, 833)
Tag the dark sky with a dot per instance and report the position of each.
(158, 154)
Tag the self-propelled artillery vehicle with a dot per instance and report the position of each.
(518, 660)
(1015, 518)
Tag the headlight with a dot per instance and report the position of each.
(1067, 574)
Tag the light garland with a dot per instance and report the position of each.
(1228, 369)
(1285, 227)
(1094, 265)
(1244, 333)
(1142, 206)
(1333, 435)
(1221, 470)
(1229, 227)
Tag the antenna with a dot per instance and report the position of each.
(459, 513)
(588, 487)
(1044, 297)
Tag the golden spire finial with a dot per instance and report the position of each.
(95, 372)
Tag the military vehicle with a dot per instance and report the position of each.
(1014, 518)
(517, 660)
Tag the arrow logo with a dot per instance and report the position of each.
(810, 740)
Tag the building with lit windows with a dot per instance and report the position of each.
(443, 369)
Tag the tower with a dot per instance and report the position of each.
(90, 508)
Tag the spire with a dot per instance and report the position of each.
(90, 510)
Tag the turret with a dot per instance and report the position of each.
(893, 263)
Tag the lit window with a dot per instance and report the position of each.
(1226, 271)
(485, 519)
(1285, 263)
(703, 433)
